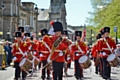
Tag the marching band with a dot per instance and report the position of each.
(55, 52)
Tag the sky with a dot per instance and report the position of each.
(77, 10)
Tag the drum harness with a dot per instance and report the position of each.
(28, 60)
(54, 46)
(83, 54)
(108, 45)
(80, 49)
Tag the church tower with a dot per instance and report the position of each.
(58, 11)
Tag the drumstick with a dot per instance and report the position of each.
(49, 62)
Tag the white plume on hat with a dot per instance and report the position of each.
(51, 31)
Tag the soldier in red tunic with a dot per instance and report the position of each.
(68, 56)
(21, 29)
(95, 54)
(58, 50)
(106, 46)
(19, 52)
(44, 53)
(77, 53)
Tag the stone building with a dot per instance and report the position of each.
(43, 19)
(9, 17)
(56, 11)
(16, 13)
(28, 15)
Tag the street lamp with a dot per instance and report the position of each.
(1, 33)
(8, 34)
(39, 34)
(92, 35)
(116, 31)
(2, 19)
(36, 12)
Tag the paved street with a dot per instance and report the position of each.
(88, 74)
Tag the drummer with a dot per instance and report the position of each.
(95, 54)
(19, 52)
(104, 45)
(78, 53)
(44, 53)
(68, 56)
(58, 51)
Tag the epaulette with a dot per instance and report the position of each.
(45, 36)
(16, 45)
(112, 39)
(24, 43)
(83, 43)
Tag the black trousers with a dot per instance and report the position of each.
(78, 70)
(96, 66)
(18, 71)
(44, 62)
(57, 70)
(69, 65)
(106, 68)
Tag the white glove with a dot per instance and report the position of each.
(104, 54)
(41, 55)
(30, 47)
(6, 53)
(14, 58)
(77, 54)
(68, 58)
(34, 52)
(48, 59)
(61, 53)
(25, 53)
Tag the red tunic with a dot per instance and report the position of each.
(62, 47)
(94, 51)
(15, 51)
(44, 51)
(74, 48)
(104, 48)
(42, 48)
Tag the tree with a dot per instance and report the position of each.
(107, 16)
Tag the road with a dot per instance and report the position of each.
(88, 74)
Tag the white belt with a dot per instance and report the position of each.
(77, 51)
(18, 53)
(58, 50)
(44, 51)
(48, 51)
(105, 49)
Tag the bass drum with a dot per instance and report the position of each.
(113, 60)
(25, 64)
(84, 62)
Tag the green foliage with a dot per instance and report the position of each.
(109, 15)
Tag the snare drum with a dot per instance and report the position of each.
(84, 62)
(25, 64)
(113, 60)
(30, 56)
